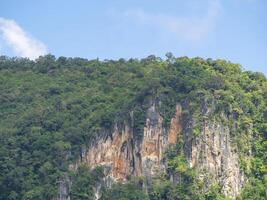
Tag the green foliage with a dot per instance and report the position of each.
(139, 116)
(160, 189)
(83, 181)
(255, 189)
(129, 191)
(178, 164)
(214, 193)
(187, 184)
(51, 108)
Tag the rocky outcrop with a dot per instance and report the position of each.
(64, 186)
(122, 155)
(216, 160)
(156, 140)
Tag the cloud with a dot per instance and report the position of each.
(22, 43)
(193, 29)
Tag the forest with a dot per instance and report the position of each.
(51, 108)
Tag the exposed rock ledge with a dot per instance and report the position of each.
(122, 155)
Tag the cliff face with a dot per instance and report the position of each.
(216, 160)
(123, 156)
(156, 140)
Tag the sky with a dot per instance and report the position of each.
(235, 30)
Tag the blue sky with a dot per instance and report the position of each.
(234, 30)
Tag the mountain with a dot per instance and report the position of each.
(180, 128)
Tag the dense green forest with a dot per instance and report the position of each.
(51, 108)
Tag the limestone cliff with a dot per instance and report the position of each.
(215, 158)
(122, 155)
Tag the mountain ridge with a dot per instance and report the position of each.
(54, 109)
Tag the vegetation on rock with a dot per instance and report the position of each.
(50, 110)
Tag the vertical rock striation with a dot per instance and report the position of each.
(215, 159)
(122, 155)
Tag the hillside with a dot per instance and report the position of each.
(180, 128)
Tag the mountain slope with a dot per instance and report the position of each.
(54, 112)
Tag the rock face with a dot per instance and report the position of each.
(122, 155)
(215, 159)
(156, 140)
(63, 193)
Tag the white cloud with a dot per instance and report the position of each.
(20, 42)
(193, 29)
